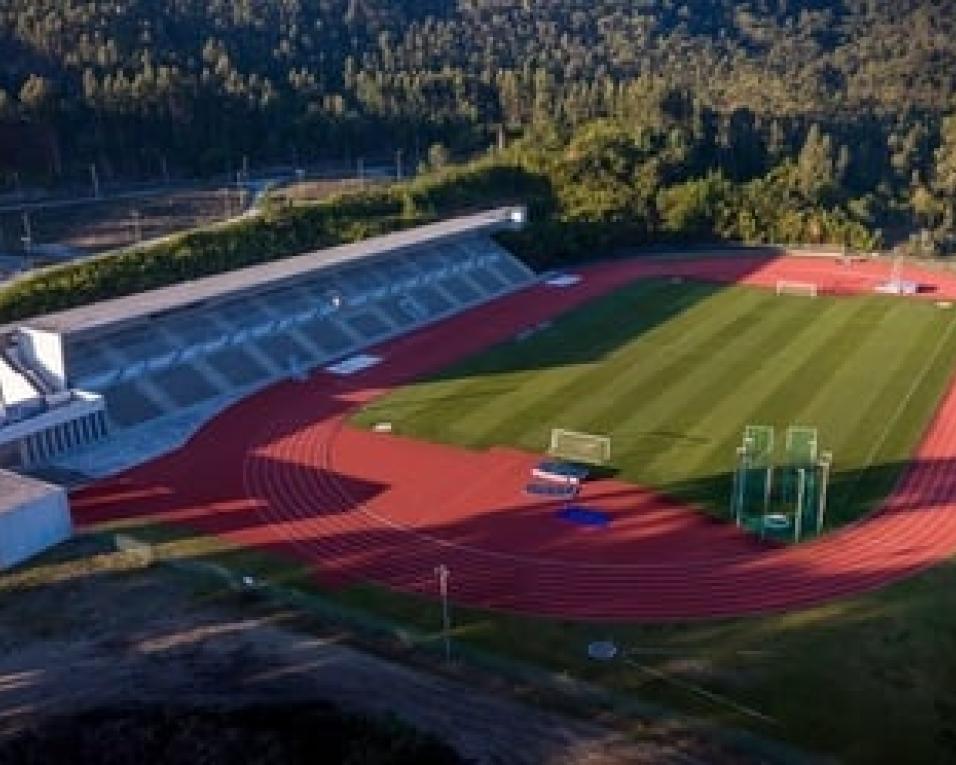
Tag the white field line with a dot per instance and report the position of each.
(904, 403)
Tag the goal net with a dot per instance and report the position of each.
(797, 289)
(801, 445)
(758, 444)
(586, 448)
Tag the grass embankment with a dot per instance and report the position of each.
(870, 679)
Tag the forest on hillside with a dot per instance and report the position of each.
(734, 90)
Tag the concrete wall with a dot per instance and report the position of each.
(34, 516)
(44, 352)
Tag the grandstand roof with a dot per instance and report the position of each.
(89, 319)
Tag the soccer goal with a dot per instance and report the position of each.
(797, 289)
(586, 448)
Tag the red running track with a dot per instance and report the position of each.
(283, 471)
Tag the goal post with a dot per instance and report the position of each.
(586, 448)
(796, 289)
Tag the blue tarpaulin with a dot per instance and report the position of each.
(585, 516)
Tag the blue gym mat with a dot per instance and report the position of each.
(585, 516)
(562, 469)
(548, 489)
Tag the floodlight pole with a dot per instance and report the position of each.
(95, 180)
(443, 573)
(137, 226)
(27, 233)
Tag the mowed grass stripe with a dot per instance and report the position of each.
(687, 405)
(642, 368)
(863, 476)
(656, 366)
(765, 376)
(603, 344)
(849, 400)
(441, 405)
(777, 392)
(529, 415)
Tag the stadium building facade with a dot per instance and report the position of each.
(131, 361)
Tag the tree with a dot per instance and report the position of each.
(945, 170)
(7, 107)
(944, 176)
(437, 158)
(815, 170)
(695, 209)
(37, 96)
(926, 206)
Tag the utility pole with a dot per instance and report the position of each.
(225, 203)
(137, 226)
(240, 188)
(95, 178)
(27, 234)
(165, 167)
(443, 573)
(398, 165)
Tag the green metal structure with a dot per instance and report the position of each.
(796, 505)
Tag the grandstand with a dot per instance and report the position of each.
(188, 346)
(40, 417)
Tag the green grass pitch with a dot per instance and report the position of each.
(673, 373)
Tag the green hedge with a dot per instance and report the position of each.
(280, 232)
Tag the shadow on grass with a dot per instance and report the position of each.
(597, 328)
(851, 493)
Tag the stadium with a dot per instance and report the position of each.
(646, 439)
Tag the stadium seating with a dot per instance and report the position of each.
(223, 349)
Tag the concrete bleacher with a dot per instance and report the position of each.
(16, 391)
(221, 337)
(40, 418)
